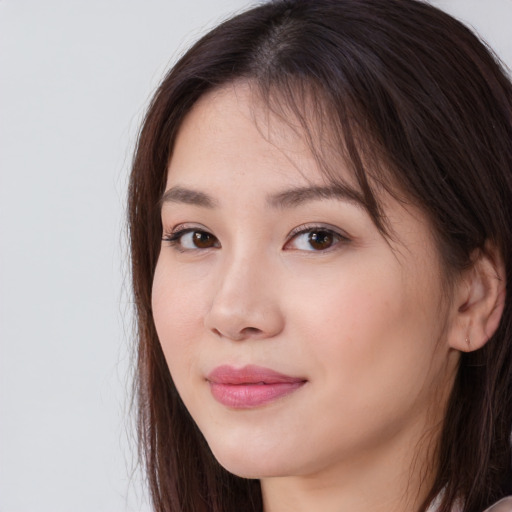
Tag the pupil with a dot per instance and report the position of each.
(202, 239)
(320, 239)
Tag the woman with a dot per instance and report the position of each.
(321, 248)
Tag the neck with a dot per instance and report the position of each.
(373, 481)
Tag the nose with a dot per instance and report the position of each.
(245, 302)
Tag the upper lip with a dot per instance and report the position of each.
(250, 374)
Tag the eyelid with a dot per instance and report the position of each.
(185, 226)
(304, 228)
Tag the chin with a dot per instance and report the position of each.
(252, 464)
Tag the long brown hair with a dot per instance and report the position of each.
(401, 85)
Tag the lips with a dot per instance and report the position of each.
(250, 386)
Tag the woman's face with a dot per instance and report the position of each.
(299, 338)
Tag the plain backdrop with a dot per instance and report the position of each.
(75, 77)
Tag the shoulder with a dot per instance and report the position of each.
(504, 505)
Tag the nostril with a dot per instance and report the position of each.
(245, 333)
(251, 331)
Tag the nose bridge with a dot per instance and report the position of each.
(245, 303)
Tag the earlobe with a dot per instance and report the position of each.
(480, 299)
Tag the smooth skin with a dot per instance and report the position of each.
(251, 271)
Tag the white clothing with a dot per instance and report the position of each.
(504, 505)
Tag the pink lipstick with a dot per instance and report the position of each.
(250, 386)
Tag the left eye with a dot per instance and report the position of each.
(314, 240)
(197, 240)
(190, 239)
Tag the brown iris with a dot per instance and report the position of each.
(321, 240)
(203, 240)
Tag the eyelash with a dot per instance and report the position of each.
(174, 238)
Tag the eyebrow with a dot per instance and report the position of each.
(188, 196)
(297, 196)
(291, 198)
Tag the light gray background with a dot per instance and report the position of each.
(75, 76)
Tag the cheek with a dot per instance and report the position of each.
(369, 332)
(342, 306)
(177, 314)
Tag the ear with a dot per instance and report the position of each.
(479, 299)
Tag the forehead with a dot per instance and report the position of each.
(232, 130)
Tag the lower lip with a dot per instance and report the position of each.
(246, 396)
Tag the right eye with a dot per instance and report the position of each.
(192, 239)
